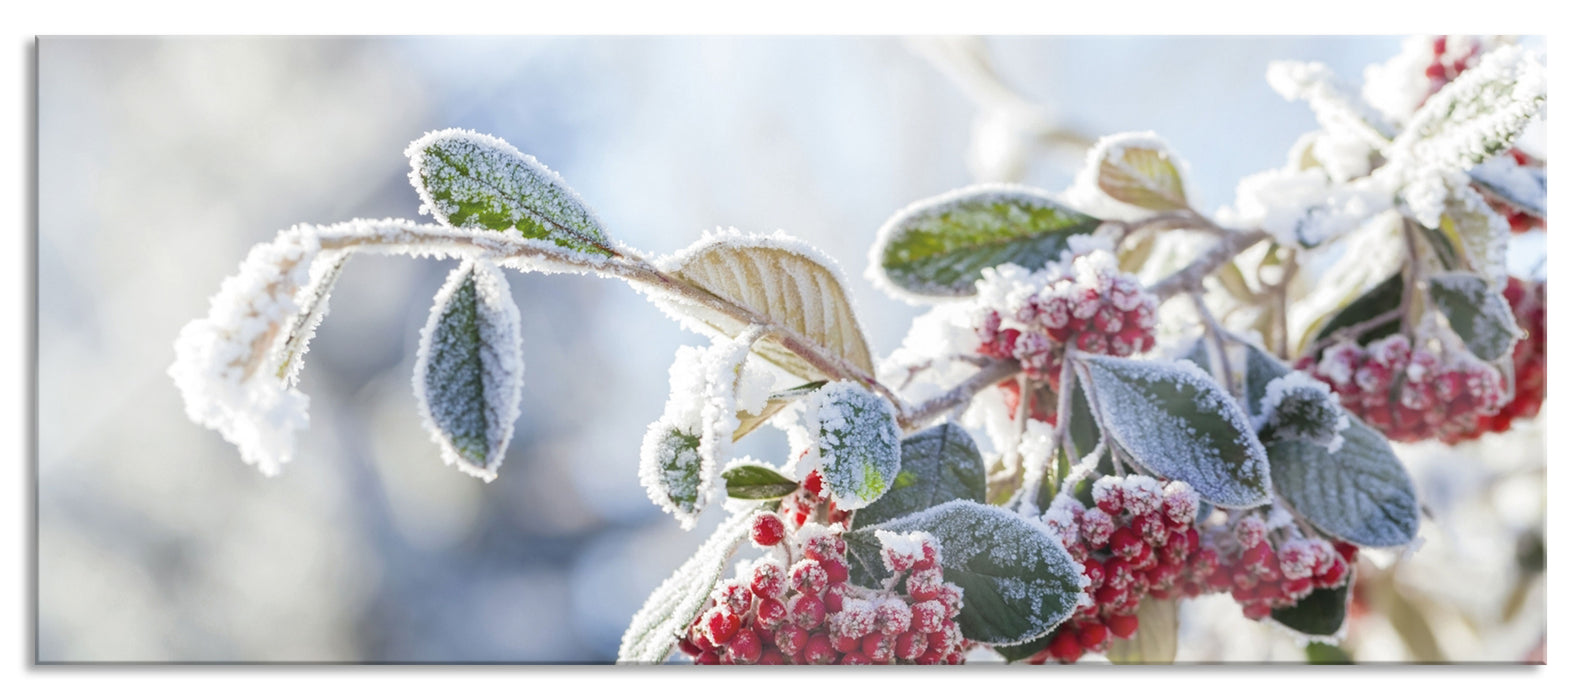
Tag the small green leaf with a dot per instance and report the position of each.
(1154, 642)
(1321, 614)
(1381, 299)
(470, 179)
(939, 247)
(1476, 312)
(1320, 654)
(671, 469)
(1018, 581)
(757, 482)
(859, 443)
(1141, 172)
(1360, 493)
(468, 376)
(938, 465)
(1177, 423)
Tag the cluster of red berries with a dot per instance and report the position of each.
(1092, 305)
(1527, 300)
(810, 613)
(1263, 576)
(1409, 395)
(1137, 540)
(810, 501)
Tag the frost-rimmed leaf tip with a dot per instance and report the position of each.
(468, 377)
(939, 247)
(470, 179)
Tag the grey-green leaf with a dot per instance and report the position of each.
(468, 377)
(859, 443)
(944, 464)
(1360, 493)
(1477, 313)
(939, 247)
(470, 179)
(1177, 423)
(1017, 580)
(1321, 614)
(651, 638)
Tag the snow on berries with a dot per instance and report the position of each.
(810, 612)
(1409, 394)
(1529, 359)
(1141, 539)
(1088, 304)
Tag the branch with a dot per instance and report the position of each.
(1190, 278)
(913, 418)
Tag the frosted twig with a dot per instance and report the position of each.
(917, 415)
(1190, 278)
(1216, 331)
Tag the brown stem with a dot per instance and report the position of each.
(1190, 278)
(922, 413)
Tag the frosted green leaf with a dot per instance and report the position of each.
(470, 179)
(671, 468)
(757, 482)
(939, 247)
(1359, 493)
(1177, 423)
(1477, 313)
(651, 638)
(1017, 580)
(859, 443)
(1479, 114)
(1290, 405)
(938, 465)
(468, 377)
(1381, 299)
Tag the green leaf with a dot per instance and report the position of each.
(470, 179)
(938, 465)
(671, 469)
(1018, 581)
(468, 376)
(651, 638)
(1360, 493)
(1479, 235)
(1262, 368)
(1141, 172)
(1154, 642)
(939, 247)
(1306, 409)
(1178, 424)
(757, 482)
(1321, 614)
(859, 443)
(1381, 299)
(1319, 653)
(1017, 652)
(1476, 312)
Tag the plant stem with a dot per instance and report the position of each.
(916, 416)
(1190, 278)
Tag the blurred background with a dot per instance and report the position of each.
(162, 160)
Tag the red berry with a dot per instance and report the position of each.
(771, 613)
(1093, 636)
(790, 639)
(1065, 646)
(1123, 626)
(744, 649)
(807, 611)
(721, 624)
(768, 529)
(819, 651)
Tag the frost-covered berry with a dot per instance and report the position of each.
(925, 585)
(891, 617)
(734, 595)
(819, 650)
(808, 576)
(790, 639)
(720, 624)
(1410, 394)
(771, 613)
(768, 581)
(807, 611)
(744, 649)
(768, 529)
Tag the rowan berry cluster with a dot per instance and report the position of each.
(1089, 304)
(1137, 540)
(1409, 395)
(1529, 359)
(811, 612)
(1267, 568)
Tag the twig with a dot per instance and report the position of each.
(1211, 325)
(1190, 278)
(1282, 328)
(921, 413)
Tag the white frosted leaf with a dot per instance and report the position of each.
(1477, 115)
(1359, 493)
(651, 638)
(1477, 313)
(470, 179)
(1526, 188)
(858, 448)
(1140, 170)
(1177, 423)
(670, 468)
(468, 377)
(1017, 579)
(939, 247)
(1290, 405)
(314, 300)
(1154, 641)
(1478, 233)
(786, 283)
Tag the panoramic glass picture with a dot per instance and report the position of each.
(792, 351)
